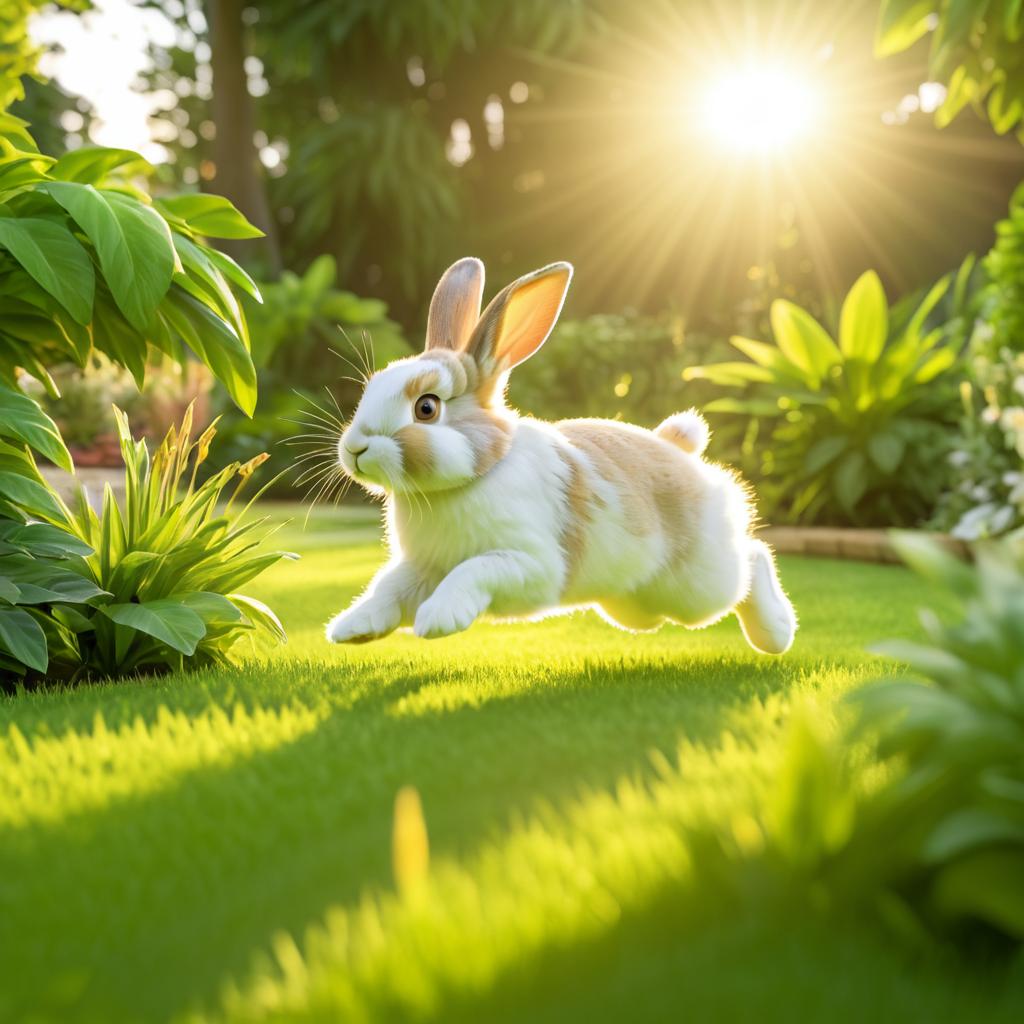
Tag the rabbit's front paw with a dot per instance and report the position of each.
(444, 614)
(363, 623)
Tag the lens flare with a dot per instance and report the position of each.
(760, 109)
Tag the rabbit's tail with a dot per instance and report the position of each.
(687, 430)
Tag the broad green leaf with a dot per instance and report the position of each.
(42, 582)
(822, 452)
(803, 341)
(900, 24)
(54, 258)
(260, 615)
(166, 620)
(886, 451)
(132, 241)
(214, 609)
(23, 637)
(987, 884)
(233, 272)
(850, 480)
(766, 355)
(9, 592)
(864, 320)
(32, 496)
(45, 541)
(23, 420)
(216, 344)
(91, 164)
(730, 373)
(210, 215)
(972, 827)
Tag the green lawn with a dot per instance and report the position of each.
(219, 845)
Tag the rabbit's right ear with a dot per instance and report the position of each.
(455, 307)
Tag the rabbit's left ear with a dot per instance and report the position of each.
(455, 306)
(519, 318)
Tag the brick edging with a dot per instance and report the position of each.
(857, 545)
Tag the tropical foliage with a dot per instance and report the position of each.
(849, 429)
(145, 585)
(988, 498)
(89, 264)
(976, 50)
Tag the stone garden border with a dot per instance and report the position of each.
(856, 545)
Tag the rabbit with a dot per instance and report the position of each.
(491, 512)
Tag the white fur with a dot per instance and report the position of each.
(465, 546)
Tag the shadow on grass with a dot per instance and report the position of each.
(142, 907)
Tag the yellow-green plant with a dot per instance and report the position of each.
(150, 582)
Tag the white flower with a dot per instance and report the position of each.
(980, 493)
(1012, 418)
(973, 524)
(1018, 384)
(983, 332)
(1002, 519)
(990, 414)
(959, 458)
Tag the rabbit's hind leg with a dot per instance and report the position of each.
(766, 615)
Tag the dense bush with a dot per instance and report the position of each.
(89, 264)
(626, 366)
(988, 498)
(144, 585)
(850, 430)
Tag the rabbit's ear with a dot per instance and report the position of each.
(455, 307)
(519, 318)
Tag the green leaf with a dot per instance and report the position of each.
(730, 373)
(35, 498)
(54, 258)
(850, 480)
(23, 637)
(233, 272)
(260, 615)
(822, 452)
(43, 582)
(216, 344)
(214, 609)
(132, 241)
(23, 420)
(972, 827)
(166, 620)
(900, 24)
(803, 341)
(886, 451)
(92, 164)
(210, 215)
(44, 540)
(864, 320)
(987, 884)
(9, 592)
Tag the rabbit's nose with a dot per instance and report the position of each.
(356, 452)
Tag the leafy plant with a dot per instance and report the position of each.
(988, 496)
(850, 429)
(144, 585)
(960, 738)
(618, 366)
(976, 51)
(89, 264)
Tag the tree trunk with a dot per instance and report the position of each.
(238, 174)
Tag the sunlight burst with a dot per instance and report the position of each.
(760, 108)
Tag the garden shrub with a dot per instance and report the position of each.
(90, 264)
(147, 584)
(851, 430)
(988, 498)
(625, 366)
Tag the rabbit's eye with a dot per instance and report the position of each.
(427, 408)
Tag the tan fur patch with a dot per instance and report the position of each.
(452, 362)
(655, 482)
(490, 434)
(424, 383)
(574, 534)
(417, 453)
